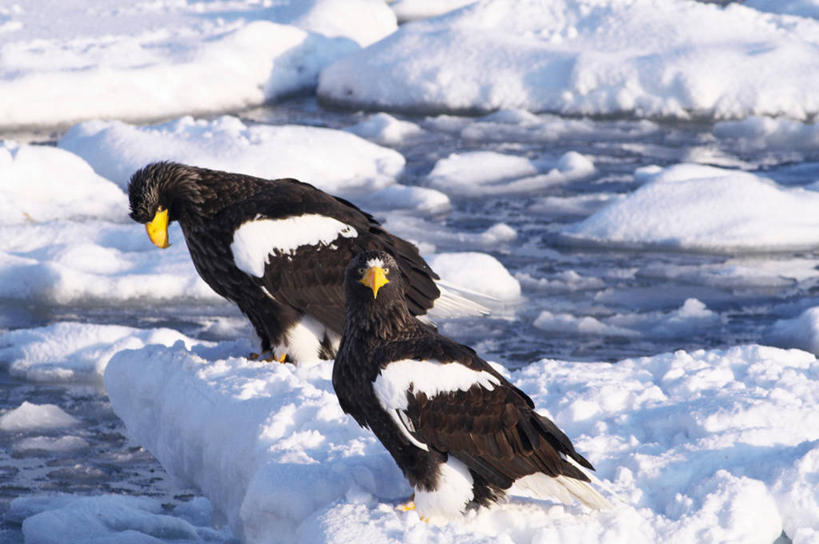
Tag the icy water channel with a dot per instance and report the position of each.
(631, 290)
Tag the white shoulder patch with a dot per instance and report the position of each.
(430, 377)
(255, 240)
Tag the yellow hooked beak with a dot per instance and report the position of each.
(374, 278)
(157, 229)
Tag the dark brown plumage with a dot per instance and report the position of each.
(441, 410)
(296, 291)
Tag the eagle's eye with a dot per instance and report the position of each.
(362, 271)
(386, 271)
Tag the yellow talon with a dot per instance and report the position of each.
(407, 506)
(267, 356)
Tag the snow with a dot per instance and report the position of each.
(383, 128)
(332, 160)
(39, 183)
(113, 518)
(478, 173)
(30, 416)
(74, 352)
(666, 58)
(696, 207)
(716, 445)
(101, 58)
(477, 272)
(800, 332)
(691, 446)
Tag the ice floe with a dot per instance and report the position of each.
(669, 58)
(718, 445)
(157, 59)
(696, 207)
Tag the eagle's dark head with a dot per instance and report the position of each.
(374, 294)
(162, 192)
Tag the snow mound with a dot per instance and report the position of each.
(412, 10)
(42, 183)
(69, 351)
(115, 59)
(480, 173)
(669, 58)
(707, 445)
(113, 518)
(800, 332)
(697, 207)
(333, 160)
(38, 417)
(385, 129)
(477, 272)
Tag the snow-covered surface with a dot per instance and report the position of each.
(333, 160)
(113, 518)
(37, 417)
(699, 207)
(74, 352)
(672, 58)
(709, 446)
(800, 332)
(480, 173)
(147, 60)
(476, 271)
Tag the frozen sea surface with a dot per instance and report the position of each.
(556, 296)
(648, 269)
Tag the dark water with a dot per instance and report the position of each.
(636, 286)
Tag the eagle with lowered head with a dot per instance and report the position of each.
(278, 249)
(459, 431)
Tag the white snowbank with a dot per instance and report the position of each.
(333, 160)
(383, 128)
(42, 183)
(644, 57)
(705, 208)
(800, 332)
(113, 518)
(112, 58)
(68, 351)
(36, 417)
(476, 271)
(480, 173)
(708, 445)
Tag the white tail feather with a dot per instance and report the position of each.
(458, 302)
(562, 488)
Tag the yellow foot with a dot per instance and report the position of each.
(268, 357)
(407, 506)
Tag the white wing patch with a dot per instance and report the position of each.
(430, 377)
(255, 240)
